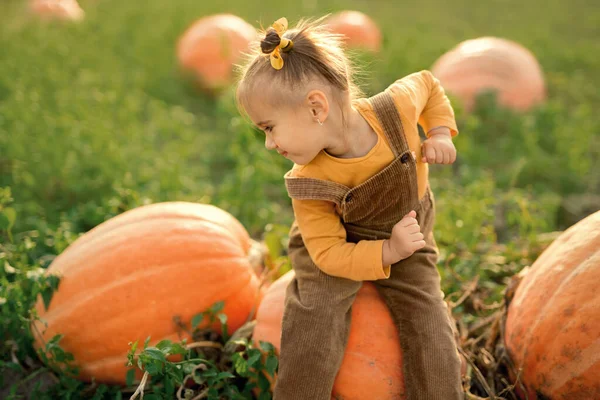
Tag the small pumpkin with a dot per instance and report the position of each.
(372, 364)
(491, 63)
(127, 279)
(358, 28)
(57, 9)
(211, 46)
(552, 326)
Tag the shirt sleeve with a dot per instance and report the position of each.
(421, 97)
(324, 236)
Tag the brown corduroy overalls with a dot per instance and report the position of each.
(317, 314)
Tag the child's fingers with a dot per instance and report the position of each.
(439, 156)
(430, 154)
(413, 228)
(418, 244)
(416, 237)
(447, 157)
(411, 214)
(408, 221)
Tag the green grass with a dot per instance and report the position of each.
(96, 119)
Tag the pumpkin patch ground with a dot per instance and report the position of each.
(144, 227)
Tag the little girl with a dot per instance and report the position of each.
(362, 204)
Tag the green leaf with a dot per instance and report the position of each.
(165, 346)
(178, 348)
(155, 354)
(146, 342)
(188, 368)
(266, 346)
(240, 364)
(225, 375)
(47, 297)
(273, 243)
(11, 216)
(265, 396)
(213, 393)
(210, 373)
(218, 306)
(130, 377)
(4, 222)
(271, 364)
(197, 320)
(154, 368)
(263, 383)
(169, 386)
(253, 357)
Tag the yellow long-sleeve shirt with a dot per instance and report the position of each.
(420, 98)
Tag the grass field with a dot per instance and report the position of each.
(95, 119)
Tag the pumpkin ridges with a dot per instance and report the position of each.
(194, 257)
(578, 368)
(66, 310)
(556, 251)
(558, 340)
(483, 63)
(108, 336)
(131, 247)
(544, 267)
(165, 229)
(532, 333)
(171, 211)
(555, 339)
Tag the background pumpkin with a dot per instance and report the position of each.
(360, 30)
(57, 9)
(372, 364)
(491, 63)
(127, 278)
(211, 46)
(553, 326)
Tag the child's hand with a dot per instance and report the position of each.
(439, 149)
(405, 240)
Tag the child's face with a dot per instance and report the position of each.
(292, 131)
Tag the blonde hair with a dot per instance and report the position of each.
(317, 53)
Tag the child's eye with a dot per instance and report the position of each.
(268, 129)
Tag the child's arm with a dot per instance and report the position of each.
(420, 97)
(325, 239)
(324, 236)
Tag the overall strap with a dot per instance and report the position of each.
(315, 189)
(389, 117)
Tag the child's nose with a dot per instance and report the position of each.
(270, 144)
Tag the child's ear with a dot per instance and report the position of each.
(318, 105)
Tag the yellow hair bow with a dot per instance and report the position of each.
(285, 45)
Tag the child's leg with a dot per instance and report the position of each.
(315, 328)
(413, 294)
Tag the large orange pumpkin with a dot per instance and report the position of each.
(211, 46)
(360, 30)
(372, 364)
(490, 63)
(57, 9)
(553, 322)
(127, 278)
